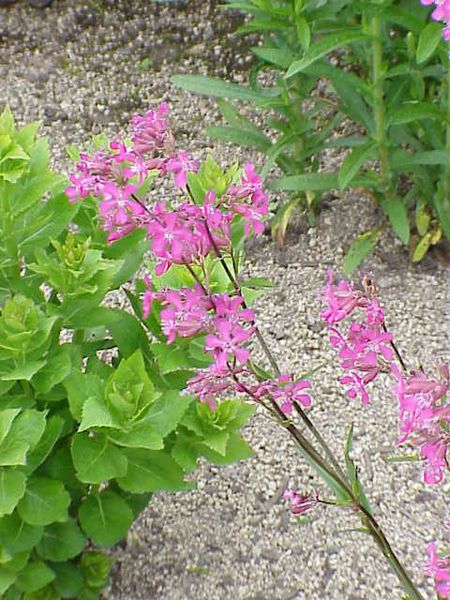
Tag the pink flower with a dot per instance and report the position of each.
(228, 341)
(248, 200)
(150, 132)
(186, 313)
(439, 569)
(341, 300)
(301, 503)
(424, 418)
(212, 382)
(180, 164)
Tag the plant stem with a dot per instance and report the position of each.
(446, 198)
(378, 104)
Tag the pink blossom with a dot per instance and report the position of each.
(212, 382)
(285, 391)
(186, 313)
(150, 132)
(439, 569)
(180, 164)
(341, 300)
(301, 503)
(424, 417)
(248, 199)
(228, 341)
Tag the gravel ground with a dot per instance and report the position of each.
(84, 67)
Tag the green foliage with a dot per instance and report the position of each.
(392, 81)
(84, 442)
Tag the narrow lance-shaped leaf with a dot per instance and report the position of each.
(361, 247)
(323, 47)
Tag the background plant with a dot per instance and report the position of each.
(390, 80)
(84, 440)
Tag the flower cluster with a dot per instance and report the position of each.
(364, 347)
(441, 12)
(425, 418)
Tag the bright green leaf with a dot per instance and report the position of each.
(398, 217)
(35, 576)
(45, 501)
(12, 489)
(429, 39)
(96, 460)
(61, 541)
(105, 518)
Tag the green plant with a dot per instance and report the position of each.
(390, 80)
(86, 437)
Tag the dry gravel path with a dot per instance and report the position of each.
(82, 67)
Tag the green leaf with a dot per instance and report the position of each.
(96, 567)
(422, 247)
(7, 416)
(69, 579)
(96, 460)
(325, 46)
(240, 136)
(7, 578)
(398, 217)
(237, 449)
(141, 435)
(35, 576)
(57, 367)
(353, 162)
(61, 541)
(277, 56)
(353, 472)
(209, 86)
(45, 501)
(151, 470)
(80, 388)
(105, 518)
(403, 160)
(16, 535)
(25, 432)
(45, 445)
(361, 247)
(12, 489)
(413, 111)
(429, 39)
(308, 182)
(167, 411)
(25, 371)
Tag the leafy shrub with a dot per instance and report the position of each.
(84, 441)
(390, 80)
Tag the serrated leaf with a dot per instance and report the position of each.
(353, 162)
(58, 365)
(398, 217)
(61, 541)
(97, 460)
(105, 518)
(25, 432)
(7, 578)
(7, 416)
(25, 371)
(167, 411)
(142, 434)
(361, 247)
(237, 449)
(149, 471)
(429, 39)
(12, 489)
(45, 501)
(80, 387)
